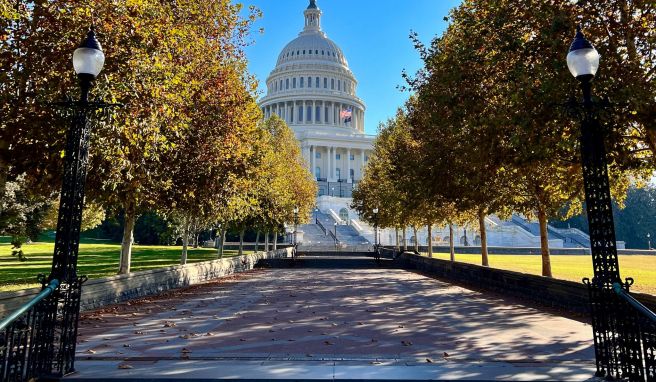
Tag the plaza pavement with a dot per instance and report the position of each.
(299, 324)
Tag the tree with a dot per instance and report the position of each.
(92, 216)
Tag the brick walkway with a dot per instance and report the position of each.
(332, 324)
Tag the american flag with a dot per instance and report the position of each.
(346, 114)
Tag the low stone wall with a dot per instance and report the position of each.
(114, 289)
(525, 250)
(562, 294)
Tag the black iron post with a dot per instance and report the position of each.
(335, 235)
(617, 330)
(648, 241)
(67, 239)
(295, 225)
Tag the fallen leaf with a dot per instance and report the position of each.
(125, 366)
(429, 360)
(90, 351)
(328, 343)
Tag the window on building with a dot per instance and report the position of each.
(302, 82)
(317, 172)
(352, 157)
(309, 82)
(318, 155)
(294, 83)
(338, 173)
(366, 158)
(303, 51)
(300, 114)
(352, 174)
(309, 114)
(280, 84)
(322, 53)
(325, 114)
(317, 114)
(332, 83)
(316, 83)
(338, 156)
(339, 85)
(325, 83)
(291, 114)
(276, 86)
(287, 83)
(316, 51)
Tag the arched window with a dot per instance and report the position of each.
(309, 82)
(339, 85)
(302, 82)
(287, 83)
(308, 116)
(325, 83)
(317, 114)
(300, 114)
(332, 83)
(317, 83)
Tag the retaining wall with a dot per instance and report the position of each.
(114, 289)
(572, 296)
(525, 250)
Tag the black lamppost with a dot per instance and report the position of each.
(295, 224)
(335, 235)
(616, 331)
(88, 61)
(375, 211)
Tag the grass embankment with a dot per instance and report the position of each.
(94, 261)
(570, 267)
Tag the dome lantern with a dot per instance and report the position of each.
(312, 17)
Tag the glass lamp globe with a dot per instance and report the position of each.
(88, 58)
(295, 210)
(375, 210)
(583, 58)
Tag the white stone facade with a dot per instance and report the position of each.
(310, 88)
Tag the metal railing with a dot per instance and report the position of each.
(321, 226)
(27, 337)
(625, 335)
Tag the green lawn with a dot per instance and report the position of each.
(95, 260)
(573, 268)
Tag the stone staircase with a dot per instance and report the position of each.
(321, 235)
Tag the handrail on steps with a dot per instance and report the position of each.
(47, 291)
(617, 287)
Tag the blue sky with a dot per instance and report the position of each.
(372, 33)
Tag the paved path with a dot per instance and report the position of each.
(332, 324)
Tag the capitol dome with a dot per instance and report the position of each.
(312, 47)
(313, 89)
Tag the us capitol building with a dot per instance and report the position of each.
(314, 91)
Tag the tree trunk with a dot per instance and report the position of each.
(466, 243)
(128, 238)
(396, 234)
(266, 241)
(452, 250)
(481, 226)
(196, 238)
(241, 242)
(414, 229)
(430, 240)
(257, 241)
(221, 239)
(275, 240)
(405, 242)
(544, 242)
(185, 242)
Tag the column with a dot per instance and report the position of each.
(348, 165)
(361, 164)
(329, 164)
(313, 165)
(314, 111)
(335, 163)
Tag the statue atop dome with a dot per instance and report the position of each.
(313, 5)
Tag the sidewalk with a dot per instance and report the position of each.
(292, 324)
